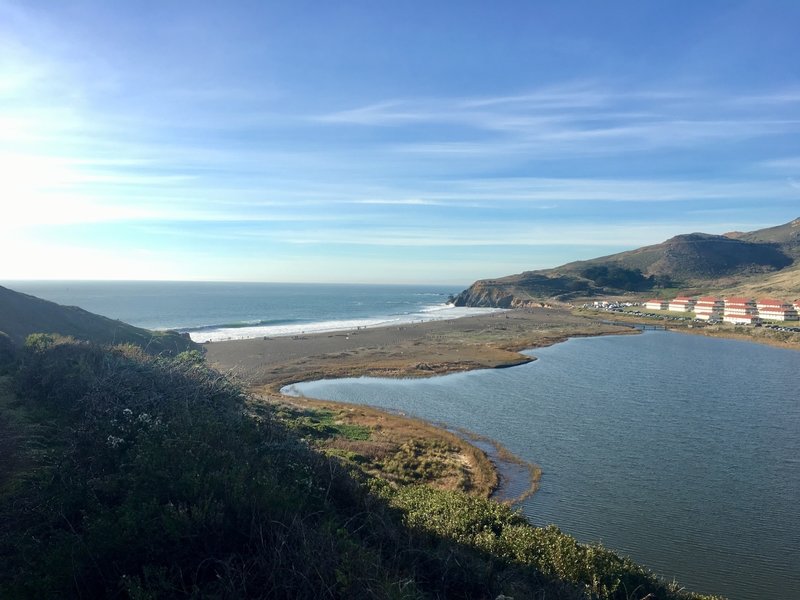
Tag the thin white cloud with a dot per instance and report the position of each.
(574, 95)
(549, 193)
(789, 163)
(587, 139)
(787, 96)
(577, 119)
(515, 234)
(383, 113)
(613, 190)
(399, 202)
(182, 200)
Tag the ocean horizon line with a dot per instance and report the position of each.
(6, 282)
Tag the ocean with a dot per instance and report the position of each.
(210, 311)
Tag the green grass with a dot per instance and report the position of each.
(322, 424)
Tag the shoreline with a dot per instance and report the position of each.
(436, 312)
(427, 349)
(416, 350)
(487, 462)
(506, 457)
(745, 333)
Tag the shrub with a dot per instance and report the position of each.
(500, 532)
(157, 482)
(8, 353)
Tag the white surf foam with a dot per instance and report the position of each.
(431, 313)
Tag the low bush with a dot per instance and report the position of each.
(8, 353)
(157, 484)
(501, 532)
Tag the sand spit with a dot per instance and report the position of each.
(412, 350)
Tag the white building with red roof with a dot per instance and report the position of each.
(772, 309)
(709, 308)
(740, 311)
(656, 304)
(742, 319)
(682, 304)
(740, 306)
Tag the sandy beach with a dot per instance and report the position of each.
(425, 349)
(413, 350)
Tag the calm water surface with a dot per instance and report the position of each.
(678, 450)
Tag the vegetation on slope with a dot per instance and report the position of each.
(786, 236)
(400, 449)
(22, 315)
(696, 256)
(767, 260)
(134, 476)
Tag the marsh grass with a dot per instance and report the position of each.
(322, 424)
(399, 449)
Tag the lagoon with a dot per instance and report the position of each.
(680, 451)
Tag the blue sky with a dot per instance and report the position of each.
(385, 142)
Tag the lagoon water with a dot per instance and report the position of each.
(680, 451)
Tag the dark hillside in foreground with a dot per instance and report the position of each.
(132, 476)
(766, 261)
(22, 315)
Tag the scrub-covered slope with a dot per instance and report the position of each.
(22, 315)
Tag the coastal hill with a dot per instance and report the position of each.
(22, 315)
(766, 261)
(126, 475)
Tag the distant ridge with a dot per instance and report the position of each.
(762, 262)
(22, 315)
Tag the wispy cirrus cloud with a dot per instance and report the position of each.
(791, 163)
(400, 202)
(570, 96)
(499, 191)
(580, 118)
(516, 234)
(776, 98)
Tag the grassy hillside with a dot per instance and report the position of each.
(787, 236)
(766, 261)
(132, 476)
(22, 315)
(694, 256)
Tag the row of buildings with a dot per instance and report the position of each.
(738, 311)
